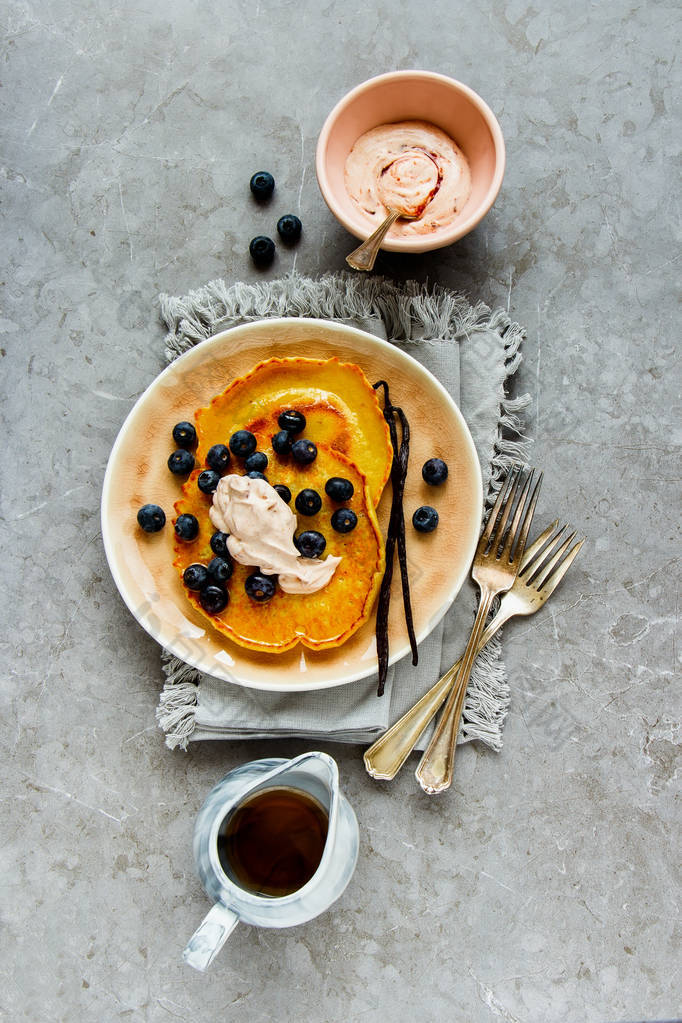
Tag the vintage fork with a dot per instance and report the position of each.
(543, 566)
(496, 565)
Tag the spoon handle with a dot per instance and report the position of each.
(364, 257)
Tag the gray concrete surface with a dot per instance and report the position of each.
(544, 887)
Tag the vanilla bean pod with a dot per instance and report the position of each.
(402, 546)
(396, 533)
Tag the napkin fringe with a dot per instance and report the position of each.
(487, 700)
(410, 312)
(176, 713)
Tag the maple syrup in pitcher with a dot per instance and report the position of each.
(272, 843)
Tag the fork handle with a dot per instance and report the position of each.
(386, 756)
(434, 772)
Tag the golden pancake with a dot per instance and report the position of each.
(340, 406)
(317, 620)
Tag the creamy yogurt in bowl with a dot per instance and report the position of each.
(412, 166)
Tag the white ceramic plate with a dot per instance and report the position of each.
(137, 474)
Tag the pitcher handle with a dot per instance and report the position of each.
(210, 936)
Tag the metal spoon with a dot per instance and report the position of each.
(364, 257)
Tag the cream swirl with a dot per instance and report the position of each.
(261, 529)
(409, 182)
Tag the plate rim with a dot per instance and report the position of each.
(222, 672)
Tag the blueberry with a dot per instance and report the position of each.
(281, 442)
(434, 472)
(338, 488)
(425, 519)
(262, 184)
(181, 462)
(151, 518)
(262, 250)
(219, 544)
(195, 577)
(304, 451)
(243, 443)
(220, 570)
(260, 587)
(218, 457)
(289, 228)
(184, 435)
(186, 527)
(310, 543)
(257, 462)
(344, 520)
(291, 420)
(255, 475)
(214, 599)
(207, 481)
(283, 491)
(308, 502)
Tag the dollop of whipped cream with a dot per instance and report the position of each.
(261, 528)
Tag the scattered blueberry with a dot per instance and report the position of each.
(255, 475)
(289, 228)
(308, 502)
(181, 462)
(304, 451)
(344, 520)
(219, 544)
(195, 577)
(257, 462)
(283, 491)
(243, 443)
(186, 527)
(262, 250)
(184, 435)
(218, 457)
(338, 488)
(260, 587)
(214, 599)
(425, 519)
(310, 543)
(262, 184)
(434, 472)
(207, 481)
(151, 518)
(220, 570)
(281, 442)
(291, 420)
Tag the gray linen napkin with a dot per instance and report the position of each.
(472, 352)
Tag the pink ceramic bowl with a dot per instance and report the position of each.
(413, 95)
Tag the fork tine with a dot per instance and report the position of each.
(500, 529)
(538, 544)
(543, 570)
(521, 504)
(556, 577)
(533, 570)
(501, 498)
(528, 517)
